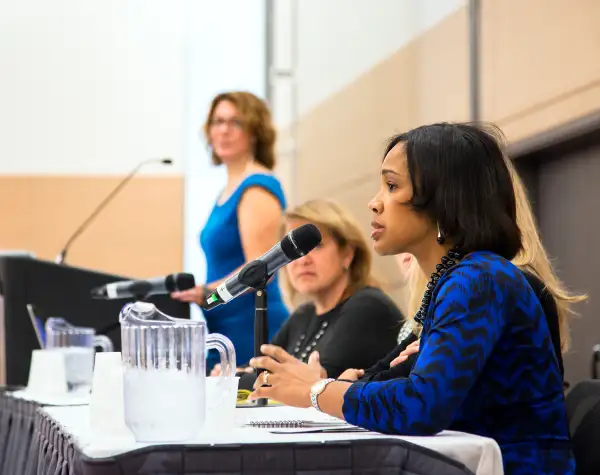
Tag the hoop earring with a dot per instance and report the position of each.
(440, 237)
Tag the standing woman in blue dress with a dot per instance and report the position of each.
(245, 222)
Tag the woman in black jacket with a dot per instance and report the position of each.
(342, 317)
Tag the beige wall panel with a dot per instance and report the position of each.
(340, 143)
(139, 234)
(443, 71)
(565, 109)
(342, 139)
(539, 62)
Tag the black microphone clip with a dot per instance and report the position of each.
(254, 275)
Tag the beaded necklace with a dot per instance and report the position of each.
(301, 350)
(448, 261)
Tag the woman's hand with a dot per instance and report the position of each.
(194, 295)
(289, 380)
(409, 350)
(314, 362)
(352, 374)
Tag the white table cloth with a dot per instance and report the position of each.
(479, 454)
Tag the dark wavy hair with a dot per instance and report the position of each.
(461, 181)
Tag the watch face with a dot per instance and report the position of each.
(316, 390)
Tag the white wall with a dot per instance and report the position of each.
(225, 53)
(91, 87)
(322, 46)
(94, 87)
(336, 41)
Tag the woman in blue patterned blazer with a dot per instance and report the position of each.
(486, 364)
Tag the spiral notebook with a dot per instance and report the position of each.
(303, 426)
(291, 424)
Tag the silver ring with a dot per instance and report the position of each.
(266, 378)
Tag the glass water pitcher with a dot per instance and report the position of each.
(164, 363)
(78, 347)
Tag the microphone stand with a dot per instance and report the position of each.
(60, 259)
(255, 276)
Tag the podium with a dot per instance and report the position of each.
(56, 291)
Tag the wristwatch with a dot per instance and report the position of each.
(316, 390)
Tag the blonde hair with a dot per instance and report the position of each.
(532, 258)
(336, 221)
(256, 120)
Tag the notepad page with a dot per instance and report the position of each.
(281, 413)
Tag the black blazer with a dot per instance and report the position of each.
(360, 330)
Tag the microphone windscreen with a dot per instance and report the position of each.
(301, 241)
(181, 281)
(184, 281)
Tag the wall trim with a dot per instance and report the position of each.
(474, 56)
(581, 130)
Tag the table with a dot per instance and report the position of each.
(44, 440)
(17, 419)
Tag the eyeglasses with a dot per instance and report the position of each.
(233, 123)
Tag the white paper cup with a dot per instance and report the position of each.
(221, 398)
(47, 374)
(107, 414)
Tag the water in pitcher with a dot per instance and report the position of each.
(79, 367)
(78, 345)
(174, 398)
(164, 373)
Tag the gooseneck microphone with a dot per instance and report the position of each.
(144, 288)
(60, 258)
(294, 245)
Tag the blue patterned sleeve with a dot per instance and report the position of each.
(468, 319)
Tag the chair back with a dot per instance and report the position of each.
(583, 412)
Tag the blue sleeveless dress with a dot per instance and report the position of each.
(220, 240)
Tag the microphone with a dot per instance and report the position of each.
(143, 288)
(60, 258)
(295, 244)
